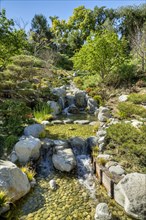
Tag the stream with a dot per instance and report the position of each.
(76, 197)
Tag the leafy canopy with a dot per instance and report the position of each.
(103, 53)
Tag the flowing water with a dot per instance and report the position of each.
(76, 197)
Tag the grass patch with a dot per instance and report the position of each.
(29, 172)
(69, 130)
(3, 198)
(129, 110)
(42, 112)
(127, 144)
(137, 98)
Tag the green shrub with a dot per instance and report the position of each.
(15, 114)
(128, 110)
(128, 142)
(10, 141)
(2, 138)
(78, 81)
(137, 98)
(122, 132)
(98, 99)
(64, 62)
(102, 161)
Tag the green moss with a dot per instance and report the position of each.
(68, 131)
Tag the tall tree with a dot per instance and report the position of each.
(102, 54)
(40, 33)
(12, 41)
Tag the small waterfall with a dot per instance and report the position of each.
(85, 174)
(45, 166)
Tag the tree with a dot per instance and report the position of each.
(103, 53)
(40, 34)
(12, 41)
(69, 36)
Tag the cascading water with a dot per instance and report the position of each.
(45, 166)
(85, 174)
(84, 169)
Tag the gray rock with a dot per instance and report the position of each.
(123, 98)
(28, 148)
(80, 99)
(60, 92)
(130, 193)
(73, 109)
(92, 141)
(91, 105)
(56, 108)
(79, 145)
(81, 122)
(136, 123)
(13, 180)
(102, 212)
(68, 121)
(117, 170)
(34, 130)
(60, 143)
(101, 147)
(47, 143)
(101, 140)
(64, 160)
(56, 122)
(105, 156)
(77, 141)
(53, 184)
(13, 157)
(101, 133)
(111, 163)
(93, 123)
(44, 123)
(104, 114)
(70, 99)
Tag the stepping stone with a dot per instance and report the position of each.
(57, 122)
(68, 121)
(82, 122)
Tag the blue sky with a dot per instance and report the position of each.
(19, 9)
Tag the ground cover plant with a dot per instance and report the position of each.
(137, 98)
(127, 144)
(129, 110)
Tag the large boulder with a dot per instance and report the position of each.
(70, 99)
(63, 159)
(104, 114)
(80, 99)
(56, 108)
(102, 212)
(60, 92)
(130, 193)
(92, 141)
(34, 130)
(72, 109)
(13, 181)
(28, 148)
(79, 146)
